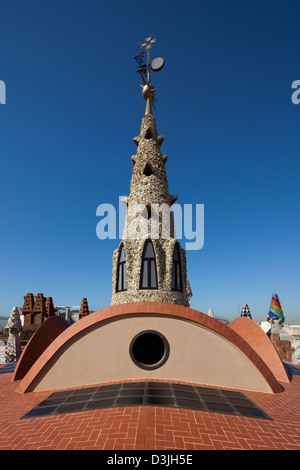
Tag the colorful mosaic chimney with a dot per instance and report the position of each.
(275, 311)
(275, 316)
(246, 312)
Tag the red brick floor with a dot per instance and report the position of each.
(152, 428)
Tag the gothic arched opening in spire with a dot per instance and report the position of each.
(121, 270)
(176, 270)
(149, 269)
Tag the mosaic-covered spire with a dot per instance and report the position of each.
(246, 311)
(149, 264)
(275, 310)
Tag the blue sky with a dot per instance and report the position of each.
(74, 104)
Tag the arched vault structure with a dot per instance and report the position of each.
(150, 340)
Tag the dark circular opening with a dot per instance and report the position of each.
(149, 350)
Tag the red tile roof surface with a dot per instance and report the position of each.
(150, 428)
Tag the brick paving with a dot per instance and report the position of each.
(149, 427)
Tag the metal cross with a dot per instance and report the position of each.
(147, 44)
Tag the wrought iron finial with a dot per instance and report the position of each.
(144, 71)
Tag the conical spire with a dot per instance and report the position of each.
(149, 184)
(149, 217)
(84, 308)
(246, 312)
(275, 311)
(149, 264)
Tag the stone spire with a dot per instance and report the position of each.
(149, 264)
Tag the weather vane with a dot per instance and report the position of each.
(144, 69)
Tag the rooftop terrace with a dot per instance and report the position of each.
(149, 427)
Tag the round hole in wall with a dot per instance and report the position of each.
(149, 349)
